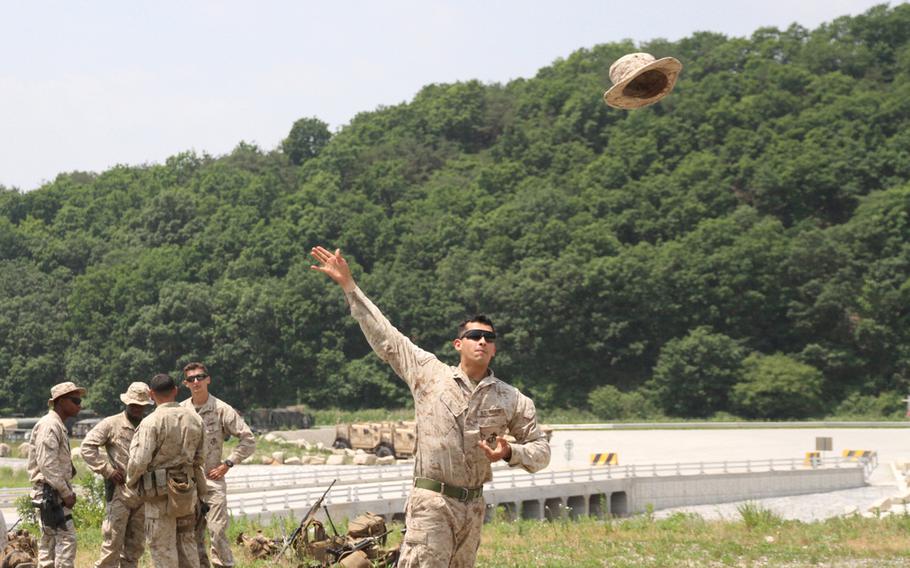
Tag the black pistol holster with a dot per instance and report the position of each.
(50, 508)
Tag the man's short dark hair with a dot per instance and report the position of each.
(479, 318)
(162, 383)
(194, 365)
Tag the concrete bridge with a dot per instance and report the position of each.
(597, 491)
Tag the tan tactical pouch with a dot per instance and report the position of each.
(153, 486)
(367, 524)
(356, 559)
(181, 494)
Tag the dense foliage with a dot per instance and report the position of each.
(764, 207)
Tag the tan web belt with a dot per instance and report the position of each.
(453, 491)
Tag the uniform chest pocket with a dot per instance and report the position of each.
(491, 422)
(451, 413)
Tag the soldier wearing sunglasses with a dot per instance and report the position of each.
(463, 414)
(51, 471)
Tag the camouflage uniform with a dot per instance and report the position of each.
(49, 462)
(169, 438)
(452, 413)
(123, 528)
(221, 421)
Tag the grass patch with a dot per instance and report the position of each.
(643, 541)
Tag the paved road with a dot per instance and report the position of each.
(670, 446)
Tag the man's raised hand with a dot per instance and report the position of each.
(334, 266)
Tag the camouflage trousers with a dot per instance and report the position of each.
(442, 532)
(171, 540)
(57, 547)
(123, 531)
(216, 521)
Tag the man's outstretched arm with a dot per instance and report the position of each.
(407, 360)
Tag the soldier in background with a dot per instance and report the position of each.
(463, 414)
(165, 470)
(221, 421)
(51, 471)
(123, 529)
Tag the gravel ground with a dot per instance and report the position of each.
(806, 508)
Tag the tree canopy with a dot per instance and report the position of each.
(763, 207)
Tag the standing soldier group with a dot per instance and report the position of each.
(163, 474)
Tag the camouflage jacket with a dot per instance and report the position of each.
(113, 434)
(171, 437)
(49, 459)
(453, 414)
(221, 421)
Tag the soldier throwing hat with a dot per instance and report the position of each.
(220, 420)
(463, 415)
(123, 529)
(51, 471)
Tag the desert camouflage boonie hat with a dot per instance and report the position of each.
(640, 80)
(137, 393)
(63, 389)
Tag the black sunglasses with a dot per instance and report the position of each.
(196, 378)
(476, 334)
(76, 400)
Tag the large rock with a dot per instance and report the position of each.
(267, 460)
(336, 459)
(317, 460)
(387, 460)
(320, 446)
(278, 457)
(5, 451)
(364, 459)
(304, 460)
(349, 452)
(293, 460)
(881, 505)
(23, 450)
(249, 459)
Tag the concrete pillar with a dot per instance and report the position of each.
(578, 506)
(553, 508)
(531, 509)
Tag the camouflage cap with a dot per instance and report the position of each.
(63, 389)
(137, 393)
(640, 80)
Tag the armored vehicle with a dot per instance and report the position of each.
(268, 419)
(398, 438)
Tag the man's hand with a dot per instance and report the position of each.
(334, 266)
(118, 477)
(217, 472)
(502, 451)
(69, 501)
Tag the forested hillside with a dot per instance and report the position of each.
(741, 247)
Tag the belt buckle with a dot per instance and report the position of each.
(465, 495)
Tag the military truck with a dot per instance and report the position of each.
(391, 438)
(269, 419)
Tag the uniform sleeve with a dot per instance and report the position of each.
(531, 450)
(199, 465)
(47, 455)
(141, 452)
(233, 424)
(407, 360)
(91, 449)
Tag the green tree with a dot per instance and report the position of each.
(694, 374)
(307, 138)
(777, 387)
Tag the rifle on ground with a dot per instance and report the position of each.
(304, 522)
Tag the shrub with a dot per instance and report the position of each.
(609, 403)
(778, 387)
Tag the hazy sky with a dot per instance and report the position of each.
(85, 85)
